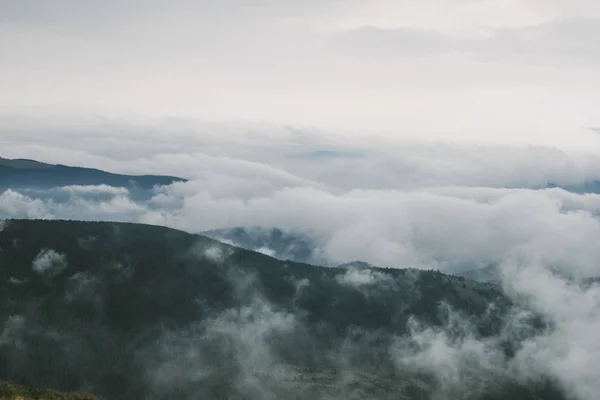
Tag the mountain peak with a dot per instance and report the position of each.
(24, 163)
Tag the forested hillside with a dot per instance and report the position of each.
(129, 311)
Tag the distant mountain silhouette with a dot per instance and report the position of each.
(586, 187)
(31, 174)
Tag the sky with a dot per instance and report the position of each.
(486, 71)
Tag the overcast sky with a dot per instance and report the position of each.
(513, 71)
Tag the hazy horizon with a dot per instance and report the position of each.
(485, 71)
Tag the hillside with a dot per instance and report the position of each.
(284, 245)
(136, 311)
(30, 174)
(11, 391)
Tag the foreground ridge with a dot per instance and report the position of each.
(132, 311)
(13, 391)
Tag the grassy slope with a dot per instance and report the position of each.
(12, 391)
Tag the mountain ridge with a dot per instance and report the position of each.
(144, 311)
(30, 174)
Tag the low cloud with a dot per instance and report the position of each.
(401, 204)
(408, 204)
(360, 277)
(49, 263)
(94, 190)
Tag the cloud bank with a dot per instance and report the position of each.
(398, 204)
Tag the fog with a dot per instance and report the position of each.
(392, 203)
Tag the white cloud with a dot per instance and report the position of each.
(399, 204)
(215, 252)
(360, 277)
(78, 205)
(569, 351)
(460, 365)
(94, 189)
(556, 42)
(266, 251)
(275, 61)
(16, 205)
(448, 228)
(49, 263)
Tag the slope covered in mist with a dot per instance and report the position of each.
(137, 311)
(278, 243)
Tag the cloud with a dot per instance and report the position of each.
(359, 277)
(94, 189)
(427, 205)
(393, 43)
(398, 207)
(75, 205)
(276, 61)
(412, 228)
(16, 205)
(459, 363)
(275, 154)
(391, 228)
(557, 42)
(214, 252)
(266, 251)
(554, 43)
(49, 263)
(235, 347)
(567, 352)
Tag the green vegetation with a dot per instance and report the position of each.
(12, 391)
(147, 312)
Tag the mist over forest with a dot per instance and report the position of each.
(292, 199)
(435, 287)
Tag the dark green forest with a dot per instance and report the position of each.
(132, 311)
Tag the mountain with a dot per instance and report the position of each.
(583, 188)
(30, 174)
(283, 245)
(357, 265)
(491, 273)
(130, 311)
(11, 391)
(303, 248)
